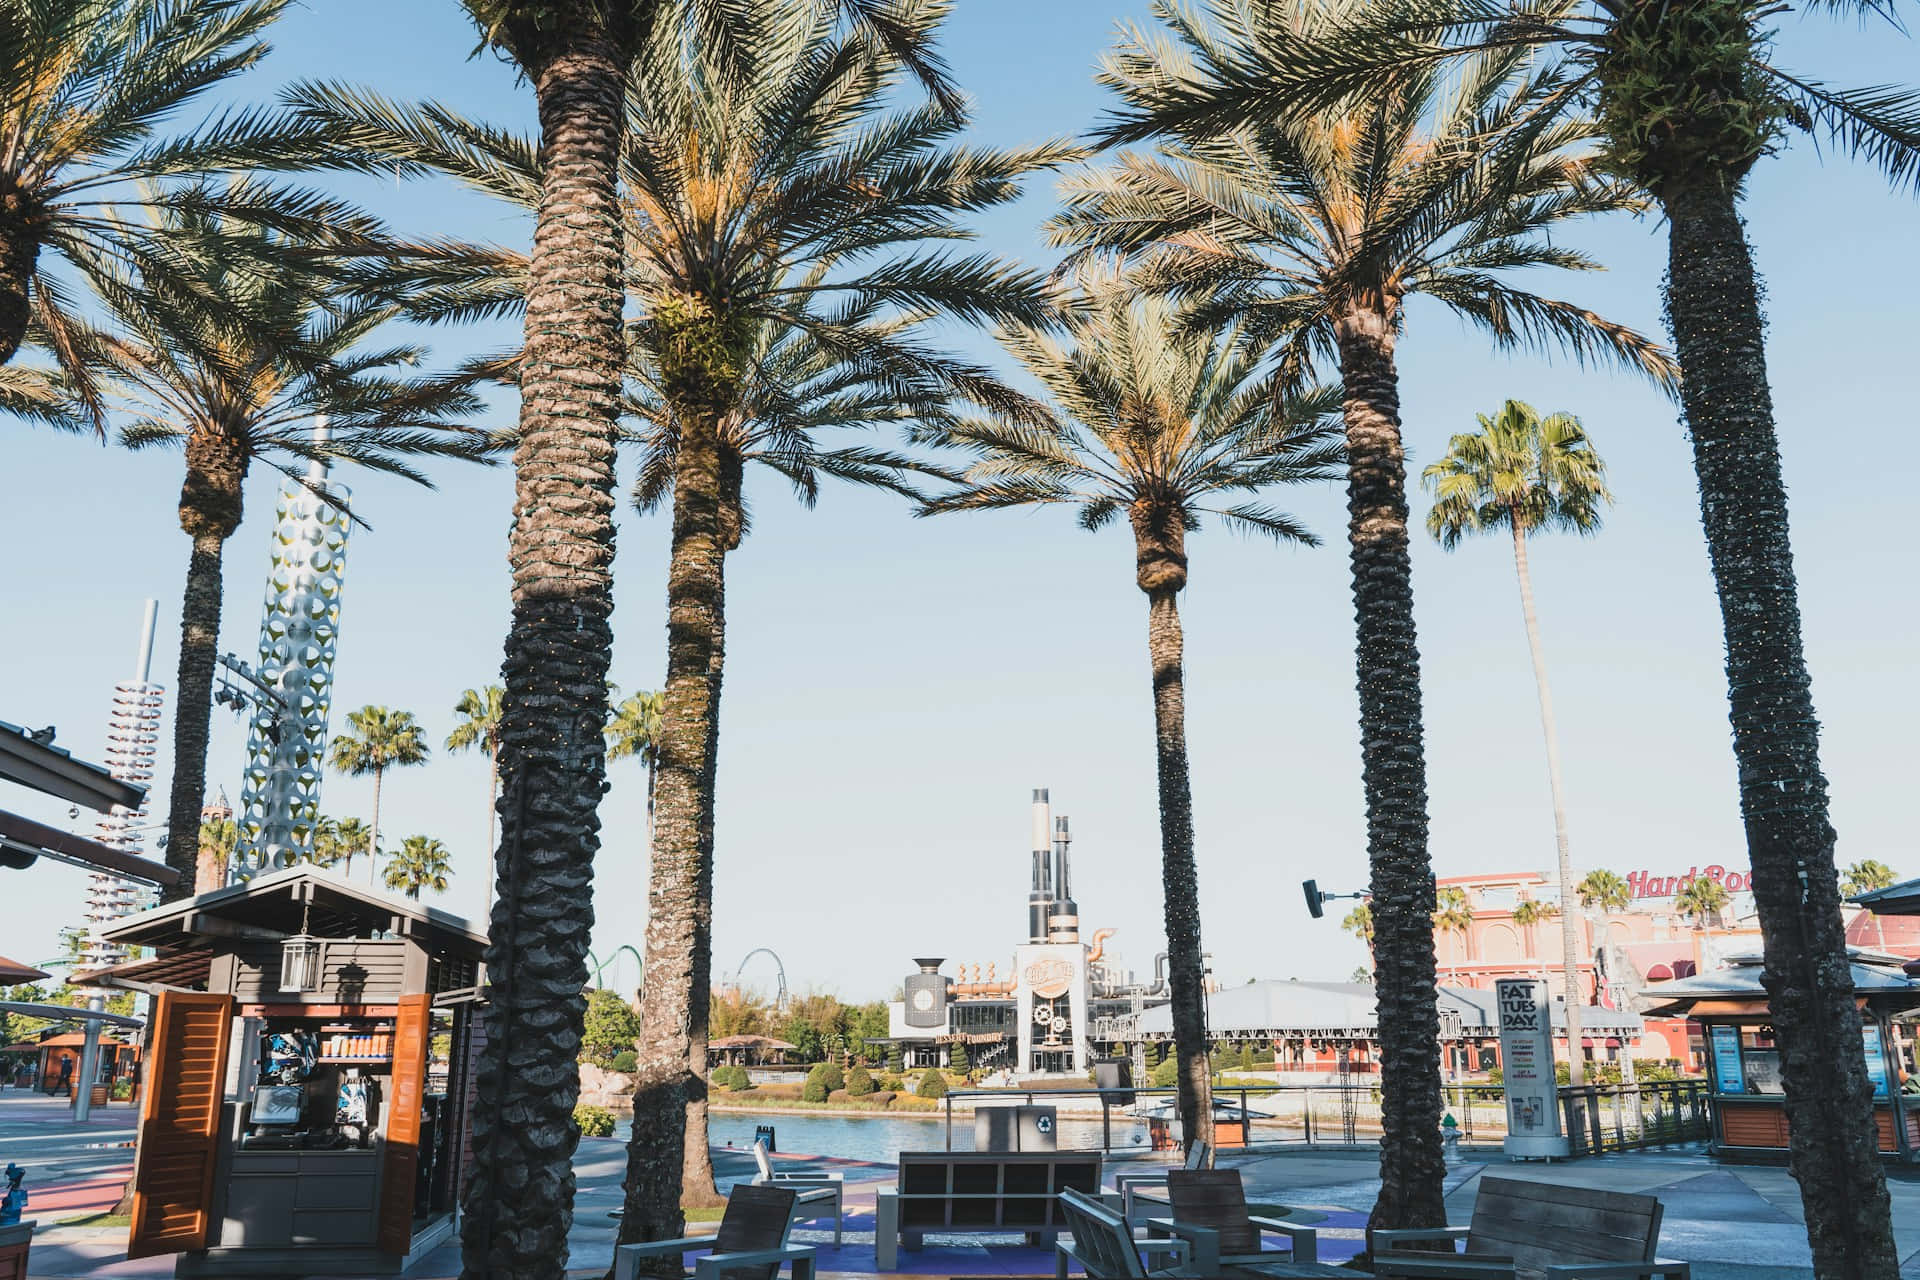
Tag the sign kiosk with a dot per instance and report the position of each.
(1526, 1059)
(314, 1064)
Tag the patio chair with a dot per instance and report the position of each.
(816, 1195)
(1536, 1229)
(750, 1245)
(1210, 1212)
(1103, 1244)
(1128, 1185)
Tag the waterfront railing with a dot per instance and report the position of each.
(1595, 1118)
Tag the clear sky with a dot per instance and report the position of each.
(895, 687)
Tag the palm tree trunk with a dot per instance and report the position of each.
(519, 1200)
(1179, 876)
(373, 835)
(1569, 930)
(19, 252)
(679, 893)
(697, 1187)
(1394, 773)
(211, 506)
(493, 805)
(1713, 306)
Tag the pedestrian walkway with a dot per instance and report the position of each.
(1728, 1220)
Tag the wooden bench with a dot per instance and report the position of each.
(1210, 1213)
(979, 1191)
(1128, 1185)
(1531, 1229)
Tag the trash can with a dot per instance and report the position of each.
(1017, 1128)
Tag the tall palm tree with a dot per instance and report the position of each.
(1690, 98)
(1317, 231)
(420, 862)
(340, 840)
(1604, 891)
(88, 90)
(1527, 474)
(241, 382)
(378, 739)
(1453, 913)
(478, 726)
(634, 730)
(1158, 422)
(1529, 914)
(1702, 900)
(737, 177)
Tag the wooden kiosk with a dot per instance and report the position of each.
(1748, 1103)
(307, 1108)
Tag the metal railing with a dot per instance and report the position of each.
(1596, 1118)
(1599, 1118)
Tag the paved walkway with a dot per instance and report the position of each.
(1728, 1220)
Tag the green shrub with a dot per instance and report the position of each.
(1165, 1074)
(892, 1082)
(593, 1122)
(932, 1085)
(957, 1058)
(896, 1060)
(859, 1083)
(626, 1061)
(830, 1075)
(813, 1091)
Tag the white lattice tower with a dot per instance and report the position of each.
(299, 632)
(133, 739)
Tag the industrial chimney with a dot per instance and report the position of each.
(1040, 900)
(1063, 925)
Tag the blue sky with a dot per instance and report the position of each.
(895, 687)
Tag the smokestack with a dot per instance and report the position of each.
(1040, 900)
(1064, 923)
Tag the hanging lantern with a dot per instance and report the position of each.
(300, 959)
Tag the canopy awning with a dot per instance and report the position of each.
(40, 840)
(12, 971)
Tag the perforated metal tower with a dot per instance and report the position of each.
(299, 634)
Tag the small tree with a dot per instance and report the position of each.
(859, 1083)
(896, 1059)
(957, 1058)
(831, 1075)
(611, 1027)
(932, 1084)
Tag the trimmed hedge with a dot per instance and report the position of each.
(932, 1085)
(593, 1122)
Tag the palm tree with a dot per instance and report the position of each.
(241, 382)
(421, 862)
(634, 730)
(1452, 913)
(1690, 98)
(340, 841)
(86, 89)
(1604, 891)
(738, 195)
(1702, 900)
(1527, 474)
(479, 726)
(219, 837)
(1317, 231)
(379, 739)
(1866, 876)
(1158, 423)
(1529, 913)
(1359, 923)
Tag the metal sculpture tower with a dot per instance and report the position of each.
(299, 632)
(133, 736)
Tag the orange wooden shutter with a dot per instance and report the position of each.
(401, 1162)
(180, 1123)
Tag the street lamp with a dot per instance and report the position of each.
(1317, 898)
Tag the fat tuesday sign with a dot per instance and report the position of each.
(1526, 1063)
(1645, 884)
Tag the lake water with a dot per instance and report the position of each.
(881, 1138)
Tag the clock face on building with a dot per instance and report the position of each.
(923, 1000)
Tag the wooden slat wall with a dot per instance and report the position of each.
(1754, 1125)
(180, 1123)
(400, 1160)
(351, 972)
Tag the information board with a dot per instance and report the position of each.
(1727, 1075)
(1876, 1060)
(1526, 1066)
